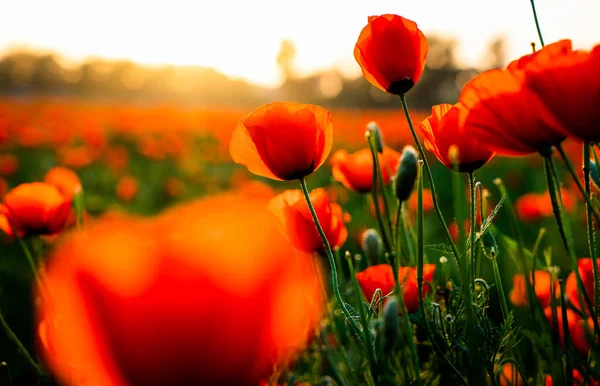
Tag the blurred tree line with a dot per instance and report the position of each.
(29, 74)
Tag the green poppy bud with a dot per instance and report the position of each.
(391, 324)
(372, 245)
(594, 174)
(407, 173)
(373, 128)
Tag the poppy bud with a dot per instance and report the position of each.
(373, 129)
(391, 322)
(407, 173)
(372, 245)
(594, 174)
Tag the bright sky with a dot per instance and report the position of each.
(242, 38)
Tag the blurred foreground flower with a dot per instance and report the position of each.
(296, 221)
(283, 140)
(391, 52)
(199, 295)
(381, 276)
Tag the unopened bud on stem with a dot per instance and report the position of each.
(407, 173)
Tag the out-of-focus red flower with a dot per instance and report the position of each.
(256, 189)
(9, 164)
(297, 224)
(518, 295)
(36, 208)
(127, 188)
(225, 293)
(510, 376)
(586, 270)
(576, 327)
(381, 276)
(445, 132)
(174, 187)
(65, 180)
(391, 52)
(355, 171)
(76, 157)
(117, 158)
(3, 188)
(569, 84)
(577, 379)
(535, 206)
(413, 201)
(283, 140)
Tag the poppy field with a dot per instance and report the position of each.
(291, 244)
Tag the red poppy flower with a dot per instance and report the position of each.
(577, 379)
(518, 295)
(381, 276)
(127, 188)
(180, 300)
(506, 115)
(510, 376)
(576, 327)
(391, 52)
(569, 84)
(65, 180)
(355, 171)
(283, 140)
(36, 208)
(586, 270)
(535, 206)
(445, 131)
(297, 224)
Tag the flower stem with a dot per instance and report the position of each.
(565, 234)
(590, 210)
(473, 216)
(420, 263)
(21, 348)
(566, 334)
(32, 265)
(383, 226)
(501, 294)
(537, 23)
(436, 204)
(334, 277)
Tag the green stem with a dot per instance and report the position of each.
(383, 227)
(566, 333)
(472, 222)
(334, 276)
(436, 204)
(591, 214)
(537, 23)
(365, 321)
(420, 263)
(20, 347)
(402, 236)
(32, 265)
(501, 294)
(566, 236)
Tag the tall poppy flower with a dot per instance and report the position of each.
(542, 289)
(36, 208)
(283, 140)
(296, 222)
(510, 376)
(505, 114)
(381, 276)
(180, 299)
(65, 180)
(391, 52)
(445, 132)
(569, 85)
(586, 270)
(355, 171)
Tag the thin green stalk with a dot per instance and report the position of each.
(590, 212)
(383, 226)
(590, 222)
(436, 204)
(364, 320)
(402, 237)
(537, 23)
(472, 222)
(32, 265)
(566, 334)
(501, 294)
(20, 347)
(459, 212)
(420, 262)
(556, 348)
(334, 276)
(565, 233)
